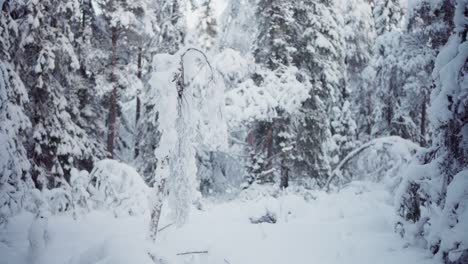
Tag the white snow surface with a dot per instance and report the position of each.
(352, 226)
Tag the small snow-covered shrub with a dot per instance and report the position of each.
(117, 186)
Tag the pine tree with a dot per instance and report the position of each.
(47, 66)
(359, 34)
(324, 135)
(388, 15)
(15, 180)
(273, 43)
(432, 197)
(273, 51)
(403, 60)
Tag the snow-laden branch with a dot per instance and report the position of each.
(383, 142)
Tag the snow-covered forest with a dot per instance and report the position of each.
(233, 131)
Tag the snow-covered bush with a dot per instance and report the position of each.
(117, 186)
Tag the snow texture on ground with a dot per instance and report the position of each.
(353, 226)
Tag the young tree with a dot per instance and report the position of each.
(190, 112)
(168, 37)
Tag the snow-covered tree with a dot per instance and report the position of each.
(15, 174)
(273, 51)
(236, 31)
(322, 130)
(388, 15)
(273, 42)
(47, 67)
(190, 113)
(207, 27)
(169, 33)
(171, 24)
(432, 199)
(402, 63)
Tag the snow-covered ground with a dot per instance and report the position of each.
(352, 226)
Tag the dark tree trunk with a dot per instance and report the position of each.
(111, 121)
(284, 181)
(138, 101)
(423, 121)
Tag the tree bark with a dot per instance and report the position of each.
(112, 117)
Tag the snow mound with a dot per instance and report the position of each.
(115, 185)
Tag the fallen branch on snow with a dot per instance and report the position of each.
(164, 227)
(192, 252)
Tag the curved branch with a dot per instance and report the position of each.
(350, 156)
(204, 56)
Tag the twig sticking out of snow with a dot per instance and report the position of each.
(192, 252)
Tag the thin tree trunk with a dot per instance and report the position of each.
(269, 146)
(284, 139)
(423, 122)
(284, 181)
(138, 101)
(156, 211)
(113, 103)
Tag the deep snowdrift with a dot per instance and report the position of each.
(353, 226)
